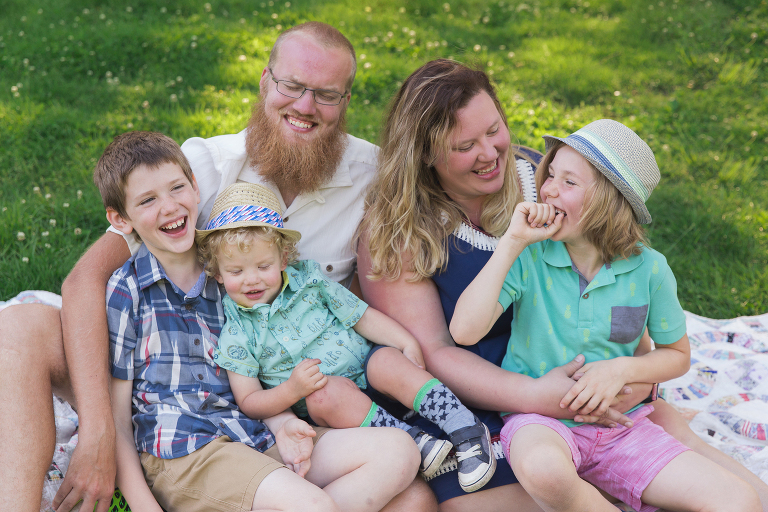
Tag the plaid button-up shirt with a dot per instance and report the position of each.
(163, 340)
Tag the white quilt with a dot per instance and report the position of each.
(724, 395)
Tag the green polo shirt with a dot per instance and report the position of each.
(311, 318)
(559, 315)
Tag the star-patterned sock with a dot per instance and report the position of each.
(378, 417)
(439, 405)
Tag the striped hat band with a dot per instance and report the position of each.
(246, 212)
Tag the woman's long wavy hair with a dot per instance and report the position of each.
(407, 211)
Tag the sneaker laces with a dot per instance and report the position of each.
(424, 438)
(475, 451)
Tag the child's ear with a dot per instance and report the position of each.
(218, 278)
(119, 222)
(284, 261)
(196, 188)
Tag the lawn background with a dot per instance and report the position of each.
(690, 76)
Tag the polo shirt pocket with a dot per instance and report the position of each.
(627, 323)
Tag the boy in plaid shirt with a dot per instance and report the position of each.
(197, 450)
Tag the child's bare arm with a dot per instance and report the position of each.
(602, 380)
(130, 476)
(260, 403)
(378, 328)
(478, 308)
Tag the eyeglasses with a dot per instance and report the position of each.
(294, 90)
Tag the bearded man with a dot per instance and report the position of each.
(294, 144)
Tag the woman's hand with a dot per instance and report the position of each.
(597, 386)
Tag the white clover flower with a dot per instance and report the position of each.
(52, 222)
(20, 236)
(47, 246)
(245, 100)
(25, 260)
(174, 98)
(242, 58)
(23, 201)
(78, 231)
(47, 196)
(44, 233)
(36, 190)
(79, 194)
(145, 104)
(65, 205)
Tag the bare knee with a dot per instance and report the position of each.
(741, 497)
(331, 398)
(543, 469)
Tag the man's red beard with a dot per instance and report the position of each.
(296, 167)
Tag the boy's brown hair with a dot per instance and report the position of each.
(127, 152)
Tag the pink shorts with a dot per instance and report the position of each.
(621, 461)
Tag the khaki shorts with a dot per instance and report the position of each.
(222, 475)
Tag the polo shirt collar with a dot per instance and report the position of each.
(556, 255)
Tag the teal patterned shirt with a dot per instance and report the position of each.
(311, 318)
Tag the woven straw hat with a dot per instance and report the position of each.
(623, 157)
(244, 205)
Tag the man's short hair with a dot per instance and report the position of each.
(127, 152)
(322, 33)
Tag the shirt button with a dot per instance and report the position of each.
(199, 376)
(285, 338)
(188, 306)
(585, 296)
(329, 268)
(197, 341)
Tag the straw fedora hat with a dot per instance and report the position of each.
(622, 156)
(246, 205)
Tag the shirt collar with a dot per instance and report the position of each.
(149, 271)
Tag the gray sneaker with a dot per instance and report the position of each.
(474, 455)
(433, 451)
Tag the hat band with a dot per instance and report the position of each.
(246, 213)
(613, 162)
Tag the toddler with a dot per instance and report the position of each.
(292, 333)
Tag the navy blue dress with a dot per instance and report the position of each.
(468, 251)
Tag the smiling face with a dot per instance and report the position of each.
(161, 206)
(252, 277)
(569, 179)
(303, 61)
(477, 157)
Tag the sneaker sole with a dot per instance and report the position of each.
(478, 484)
(437, 458)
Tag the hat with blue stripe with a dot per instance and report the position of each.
(622, 156)
(246, 205)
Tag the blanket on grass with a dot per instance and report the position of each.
(724, 395)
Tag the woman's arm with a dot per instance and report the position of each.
(130, 476)
(416, 306)
(260, 403)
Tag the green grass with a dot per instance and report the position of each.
(691, 76)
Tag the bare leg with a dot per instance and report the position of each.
(285, 491)
(390, 372)
(32, 365)
(418, 496)
(338, 404)
(667, 417)
(362, 469)
(691, 482)
(542, 462)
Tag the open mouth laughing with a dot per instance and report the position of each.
(491, 167)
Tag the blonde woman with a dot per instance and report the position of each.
(448, 183)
